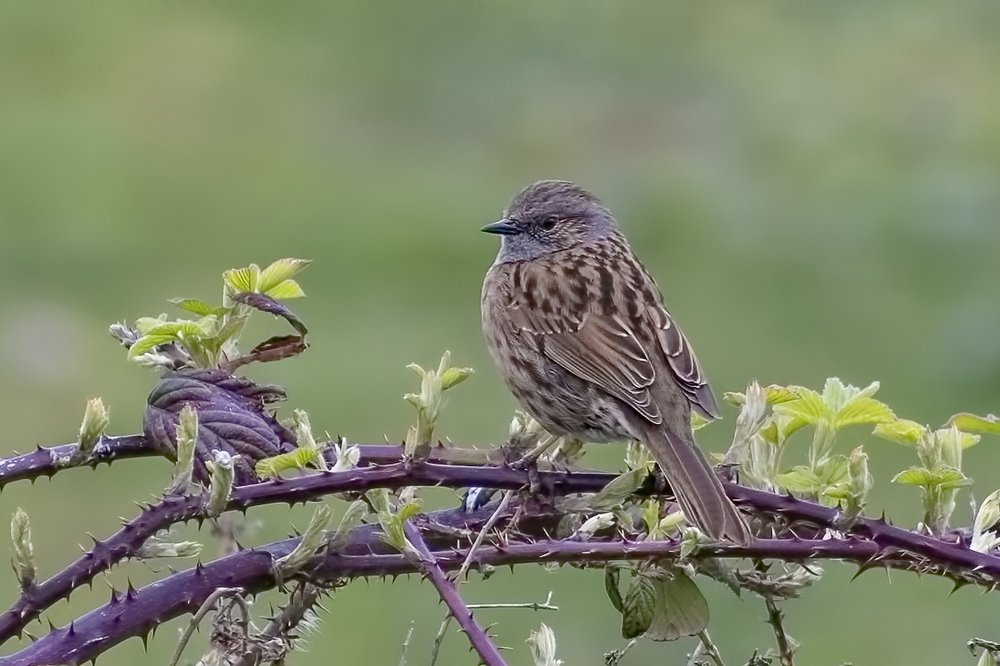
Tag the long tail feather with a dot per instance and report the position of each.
(697, 488)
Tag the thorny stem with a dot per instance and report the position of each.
(47, 461)
(443, 629)
(786, 650)
(366, 556)
(425, 560)
(221, 593)
(300, 601)
(869, 543)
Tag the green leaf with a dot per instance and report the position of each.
(146, 324)
(986, 425)
(838, 395)
(198, 306)
(942, 477)
(807, 409)
(285, 290)
(914, 476)
(863, 410)
(612, 580)
(775, 394)
(800, 479)
(698, 421)
(278, 272)
(272, 467)
(834, 470)
(452, 377)
(988, 514)
(240, 280)
(639, 605)
(901, 431)
(233, 327)
(182, 330)
(617, 491)
(681, 609)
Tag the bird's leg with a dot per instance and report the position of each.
(529, 462)
(530, 459)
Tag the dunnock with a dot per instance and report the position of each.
(578, 329)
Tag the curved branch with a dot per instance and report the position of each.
(137, 612)
(47, 461)
(953, 559)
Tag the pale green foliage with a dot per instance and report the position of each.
(95, 421)
(543, 647)
(352, 518)
(429, 402)
(274, 281)
(392, 517)
(613, 495)
(308, 452)
(312, 540)
(22, 551)
(840, 405)
(187, 440)
(156, 548)
(939, 475)
(983, 539)
(987, 425)
(211, 340)
(221, 482)
(662, 604)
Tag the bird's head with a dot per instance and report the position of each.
(549, 216)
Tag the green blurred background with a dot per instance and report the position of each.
(815, 185)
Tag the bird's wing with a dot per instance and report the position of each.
(560, 314)
(683, 362)
(568, 316)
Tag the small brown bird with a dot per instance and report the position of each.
(578, 329)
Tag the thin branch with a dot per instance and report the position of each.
(710, 648)
(47, 461)
(425, 560)
(501, 508)
(775, 618)
(443, 629)
(531, 605)
(300, 602)
(212, 599)
(406, 644)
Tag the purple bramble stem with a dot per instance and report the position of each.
(47, 461)
(138, 611)
(428, 565)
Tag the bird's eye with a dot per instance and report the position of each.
(549, 221)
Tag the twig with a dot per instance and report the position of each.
(531, 605)
(406, 644)
(614, 657)
(218, 594)
(786, 648)
(300, 602)
(426, 561)
(504, 502)
(710, 648)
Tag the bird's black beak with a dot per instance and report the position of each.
(503, 227)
